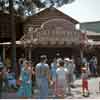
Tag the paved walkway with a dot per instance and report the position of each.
(93, 88)
(76, 92)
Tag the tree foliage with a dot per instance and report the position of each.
(29, 7)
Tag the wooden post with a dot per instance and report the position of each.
(81, 54)
(13, 34)
(4, 54)
(26, 52)
(81, 48)
(30, 53)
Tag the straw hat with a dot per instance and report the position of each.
(84, 68)
(66, 59)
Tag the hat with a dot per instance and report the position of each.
(84, 68)
(43, 56)
(67, 59)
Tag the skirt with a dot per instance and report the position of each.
(60, 87)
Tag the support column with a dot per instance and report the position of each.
(26, 52)
(13, 34)
(81, 54)
(4, 54)
(30, 53)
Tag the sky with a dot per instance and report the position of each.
(83, 10)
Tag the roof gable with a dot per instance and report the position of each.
(51, 12)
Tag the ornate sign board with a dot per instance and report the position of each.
(57, 35)
(54, 31)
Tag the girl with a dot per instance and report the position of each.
(25, 89)
(61, 80)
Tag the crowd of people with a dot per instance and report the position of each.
(59, 75)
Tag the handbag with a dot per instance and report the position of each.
(18, 82)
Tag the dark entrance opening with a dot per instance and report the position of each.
(51, 53)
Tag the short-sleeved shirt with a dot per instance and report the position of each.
(42, 70)
(85, 75)
(61, 73)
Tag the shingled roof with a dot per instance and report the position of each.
(50, 12)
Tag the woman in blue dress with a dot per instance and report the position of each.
(42, 77)
(25, 89)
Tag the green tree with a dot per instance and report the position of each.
(29, 7)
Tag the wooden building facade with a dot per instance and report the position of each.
(50, 32)
(5, 29)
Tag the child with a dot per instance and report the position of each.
(85, 82)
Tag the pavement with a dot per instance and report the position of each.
(93, 89)
(76, 92)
